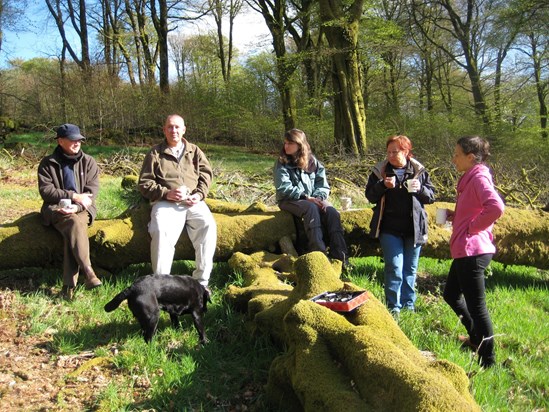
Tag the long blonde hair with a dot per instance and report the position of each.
(303, 158)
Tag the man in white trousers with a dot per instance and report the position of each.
(176, 177)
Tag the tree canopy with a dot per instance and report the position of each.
(479, 66)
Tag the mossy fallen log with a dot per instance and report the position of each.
(521, 237)
(353, 362)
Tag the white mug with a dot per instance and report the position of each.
(410, 183)
(345, 203)
(63, 203)
(441, 217)
(185, 191)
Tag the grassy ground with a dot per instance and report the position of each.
(77, 357)
(174, 373)
(518, 302)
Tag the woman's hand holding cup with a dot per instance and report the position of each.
(389, 182)
(413, 185)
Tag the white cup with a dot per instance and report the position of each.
(346, 203)
(63, 203)
(411, 184)
(441, 217)
(185, 190)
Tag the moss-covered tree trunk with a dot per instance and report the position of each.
(520, 237)
(355, 361)
(341, 26)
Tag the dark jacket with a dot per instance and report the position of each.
(51, 187)
(162, 172)
(397, 211)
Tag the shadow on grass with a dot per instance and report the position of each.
(432, 274)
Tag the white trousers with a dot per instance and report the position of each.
(168, 219)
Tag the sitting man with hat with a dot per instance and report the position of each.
(68, 181)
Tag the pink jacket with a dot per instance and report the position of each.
(478, 206)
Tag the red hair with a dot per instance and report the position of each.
(403, 142)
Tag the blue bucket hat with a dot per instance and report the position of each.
(69, 131)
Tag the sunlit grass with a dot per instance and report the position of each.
(174, 368)
(518, 304)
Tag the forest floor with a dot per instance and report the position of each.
(33, 377)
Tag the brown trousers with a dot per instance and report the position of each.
(76, 245)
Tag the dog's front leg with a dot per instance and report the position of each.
(197, 320)
(175, 320)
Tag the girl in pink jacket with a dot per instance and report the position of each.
(478, 206)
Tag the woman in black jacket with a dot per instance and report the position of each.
(400, 186)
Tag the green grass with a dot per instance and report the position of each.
(231, 370)
(237, 159)
(518, 302)
(175, 370)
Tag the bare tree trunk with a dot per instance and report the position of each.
(79, 24)
(146, 59)
(274, 14)
(468, 29)
(160, 21)
(541, 86)
(63, 78)
(350, 115)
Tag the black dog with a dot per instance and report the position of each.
(177, 295)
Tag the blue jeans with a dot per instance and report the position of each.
(401, 257)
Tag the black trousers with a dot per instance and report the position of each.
(317, 223)
(465, 292)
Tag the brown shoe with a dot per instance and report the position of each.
(92, 281)
(67, 292)
(466, 343)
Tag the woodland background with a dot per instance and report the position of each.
(349, 73)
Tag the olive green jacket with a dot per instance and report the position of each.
(162, 172)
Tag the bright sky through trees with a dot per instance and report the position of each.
(37, 35)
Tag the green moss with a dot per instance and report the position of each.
(520, 237)
(388, 374)
(28, 243)
(354, 362)
(129, 182)
(218, 206)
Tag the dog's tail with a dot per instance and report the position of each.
(118, 299)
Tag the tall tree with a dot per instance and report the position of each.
(340, 21)
(159, 15)
(163, 13)
(110, 26)
(303, 26)
(77, 15)
(534, 44)
(144, 43)
(273, 12)
(220, 9)
(467, 22)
